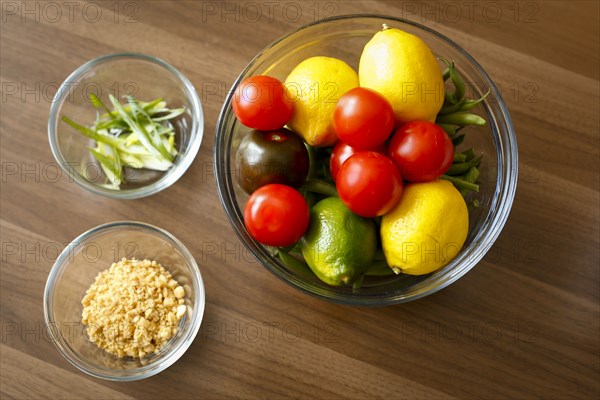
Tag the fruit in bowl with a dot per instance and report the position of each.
(402, 85)
(395, 198)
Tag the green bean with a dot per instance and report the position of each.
(446, 73)
(319, 186)
(469, 154)
(460, 158)
(285, 249)
(458, 168)
(357, 283)
(310, 199)
(461, 183)
(379, 268)
(457, 140)
(469, 104)
(461, 119)
(450, 108)
(459, 85)
(450, 129)
(461, 168)
(471, 176)
(312, 161)
(293, 263)
(473, 204)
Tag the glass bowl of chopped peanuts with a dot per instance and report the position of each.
(124, 301)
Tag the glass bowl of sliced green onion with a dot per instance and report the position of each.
(125, 125)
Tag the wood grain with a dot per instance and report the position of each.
(523, 324)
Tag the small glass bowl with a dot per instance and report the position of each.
(344, 37)
(145, 78)
(75, 270)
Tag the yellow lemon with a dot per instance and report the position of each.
(426, 229)
(316, 85)
(402, 68)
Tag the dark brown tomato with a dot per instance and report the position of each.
(278, 156)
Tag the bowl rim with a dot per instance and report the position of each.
(499, 209)
(169, 177)
(160, 364)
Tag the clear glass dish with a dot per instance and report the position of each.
(344, 37)
(75, 270)
(145, 78)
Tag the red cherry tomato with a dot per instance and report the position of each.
(421, 150)
(276, 215)
(262, 102)
(341, 152)
(369, 184)
(363, 118)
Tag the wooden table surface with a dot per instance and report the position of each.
(523, 324)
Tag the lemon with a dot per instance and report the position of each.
(426, 229)
(339, 245)
(316, 85)
(401, 67)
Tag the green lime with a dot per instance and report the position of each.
(339, 245)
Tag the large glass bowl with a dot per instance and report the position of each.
(75, 270)
(344, 37)
(145, 78)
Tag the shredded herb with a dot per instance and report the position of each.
(135, 135)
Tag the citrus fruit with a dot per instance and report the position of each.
(315, 86)
(402, 68)
(426, 229)
(339, 245)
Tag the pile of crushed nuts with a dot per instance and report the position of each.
(133, 308)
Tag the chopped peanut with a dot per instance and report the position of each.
(133, 308)
(179, 292)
